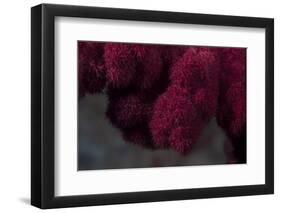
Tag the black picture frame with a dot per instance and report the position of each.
(42, 105)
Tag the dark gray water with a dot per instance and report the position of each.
(101, 146)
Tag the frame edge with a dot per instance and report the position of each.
(36, 85)
(269, 116)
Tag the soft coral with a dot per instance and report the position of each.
(162, 96)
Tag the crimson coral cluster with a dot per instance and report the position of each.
(162, 96)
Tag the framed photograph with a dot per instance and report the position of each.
(140, 106)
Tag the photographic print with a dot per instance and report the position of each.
(181, 102)
(156, 105)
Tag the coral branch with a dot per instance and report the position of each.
(162, 96)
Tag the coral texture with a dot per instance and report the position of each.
(91, 67)
(193, 91)
(162, 96)
(231, 110)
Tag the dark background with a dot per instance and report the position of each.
(101, 146)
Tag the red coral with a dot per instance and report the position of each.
(171, 54)
(128, 111)
(128, 65)
(162, 96)
(183, 138)
(149, 65)
(120, 64)
(178, 123)
(231, 111)
(169, 114)
(91, 70)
